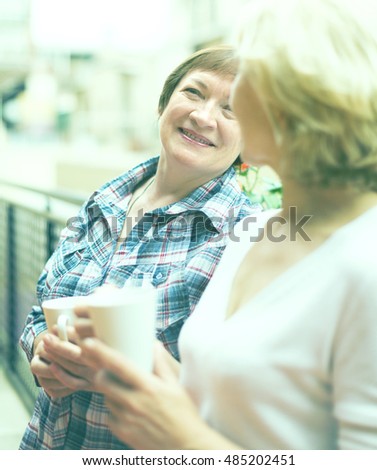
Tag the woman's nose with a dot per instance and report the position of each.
(204, 116)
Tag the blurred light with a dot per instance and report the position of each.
(89, 25)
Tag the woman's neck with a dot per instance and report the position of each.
(328, 208)
(173, 183)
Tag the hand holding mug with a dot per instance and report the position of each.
(58, 363)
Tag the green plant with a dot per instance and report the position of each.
(260, 186)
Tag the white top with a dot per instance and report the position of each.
(296, 366)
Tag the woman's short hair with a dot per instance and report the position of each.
(221, 59)
(314, 65)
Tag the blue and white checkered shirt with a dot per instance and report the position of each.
(176, 248)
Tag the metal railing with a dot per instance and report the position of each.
(30, 223)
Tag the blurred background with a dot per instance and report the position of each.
(80, 81)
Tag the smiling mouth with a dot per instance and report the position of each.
(196, 138)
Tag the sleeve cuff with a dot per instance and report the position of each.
(35, 324)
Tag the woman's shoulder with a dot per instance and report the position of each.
(134, 173)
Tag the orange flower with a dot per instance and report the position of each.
(244, 166)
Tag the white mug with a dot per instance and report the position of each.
(60, 312)
(125, 320)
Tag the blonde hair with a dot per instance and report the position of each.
(314, 65)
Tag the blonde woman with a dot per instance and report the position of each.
(281, 351)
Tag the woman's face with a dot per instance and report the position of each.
(198, 129)
(259, 145)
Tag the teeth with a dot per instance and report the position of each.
(196, 138)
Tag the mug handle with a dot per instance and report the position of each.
(63, 321)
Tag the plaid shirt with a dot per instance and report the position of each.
(176, 248)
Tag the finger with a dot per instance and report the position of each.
(115, 362)
(40, 352)
(40, 368)
(68, 380)
(73, 336)
(82, 372)
(81, 368)
(67, 356)
(116, 392)
(81, 311)
(71, 333)
(84, 328)
(61, 349)
(89, 362)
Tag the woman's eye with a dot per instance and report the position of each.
(193, 91)
(228, 111)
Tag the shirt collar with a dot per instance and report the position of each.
(111, 195)
(215, 198)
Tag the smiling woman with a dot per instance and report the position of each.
(167, 222)
(199, 132)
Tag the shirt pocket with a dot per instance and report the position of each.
(62, 270)
(69, 256)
